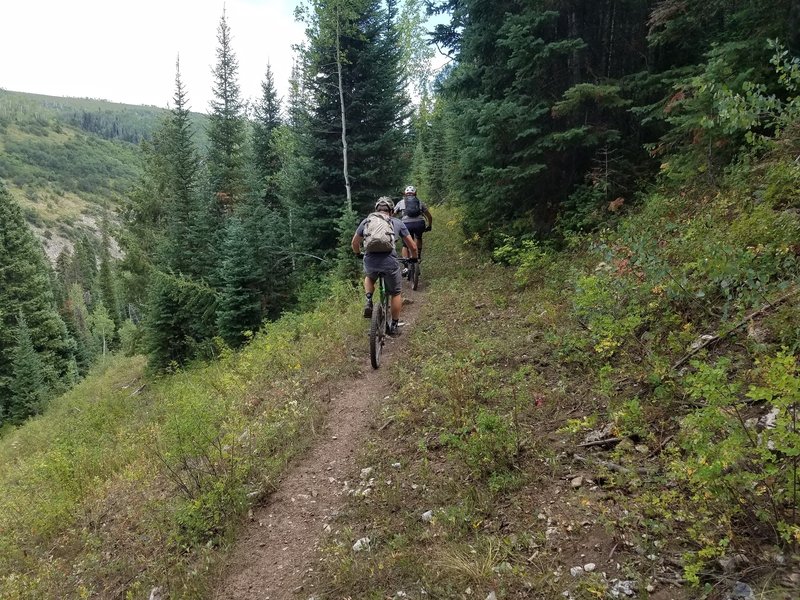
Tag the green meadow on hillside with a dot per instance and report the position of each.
(69, 160)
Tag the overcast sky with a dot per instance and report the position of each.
(125, 51)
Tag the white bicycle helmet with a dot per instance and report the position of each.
(385, 201)
(410, 191)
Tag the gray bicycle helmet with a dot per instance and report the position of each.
(386, 202)
(410, 191)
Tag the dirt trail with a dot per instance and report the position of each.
(276, 552)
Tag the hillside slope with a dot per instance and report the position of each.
(69, 160)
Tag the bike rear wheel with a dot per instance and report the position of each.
(377, 330)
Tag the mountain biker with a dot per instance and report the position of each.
(414, 214)
(384, 262)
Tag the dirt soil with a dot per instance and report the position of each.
(275, 554)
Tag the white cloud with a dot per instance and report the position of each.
(126, 51)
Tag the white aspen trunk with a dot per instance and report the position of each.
(291, 238)
(344, 120)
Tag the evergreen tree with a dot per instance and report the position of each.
(28, 385)
(267, 120)
(240, 303)
(106, 281)
(363, 36)
(76, 316)
(25, 289)
(227, 124)
(180, 319)
(181, 305)
(184, 242)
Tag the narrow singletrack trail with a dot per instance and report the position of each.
(276, 551)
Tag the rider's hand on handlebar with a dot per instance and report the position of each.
(413, 260)
(359, 255)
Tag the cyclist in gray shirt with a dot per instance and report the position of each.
(384, 263)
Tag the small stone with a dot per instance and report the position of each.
(366, 472)
(641, 449)
(361, 544)
(650, 588)
(589, 567)
(427, 516)
(396, 465)
(742, 591)
(577, 482)
(491, 596)
(468, 591)
(576, 571)
(622, 588)
(542, 517)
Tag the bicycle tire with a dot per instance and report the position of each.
(377, 331)
(415, 277)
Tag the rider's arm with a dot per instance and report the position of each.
(428, 216)
(356, 243)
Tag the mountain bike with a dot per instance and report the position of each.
(412, 272)
(379, 325)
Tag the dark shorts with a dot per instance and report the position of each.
(415, 229)
(393, 278)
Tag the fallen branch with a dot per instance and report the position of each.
(611, 466)
(603, 442)
(716, 338)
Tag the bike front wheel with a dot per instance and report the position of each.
(415, 277)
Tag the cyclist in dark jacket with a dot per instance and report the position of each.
(415, 216)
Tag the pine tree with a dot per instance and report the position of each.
(25, 289)
(267, 120)
(183, 243)
(240, 303)
(180, 305)
(28, 384)
(106, 280)
(180, 319)
(226, 129)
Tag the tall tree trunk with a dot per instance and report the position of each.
(344, 119)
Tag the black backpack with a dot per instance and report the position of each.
(413, 207)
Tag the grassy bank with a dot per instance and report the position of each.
(131, 481)
(625, 406)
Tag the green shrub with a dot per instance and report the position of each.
(489, 447)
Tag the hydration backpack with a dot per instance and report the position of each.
(413, 207)
(378, 234)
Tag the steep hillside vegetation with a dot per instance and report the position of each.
(131, 481)
(613, 420)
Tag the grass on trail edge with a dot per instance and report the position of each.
(479, 479)
(130, 482)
